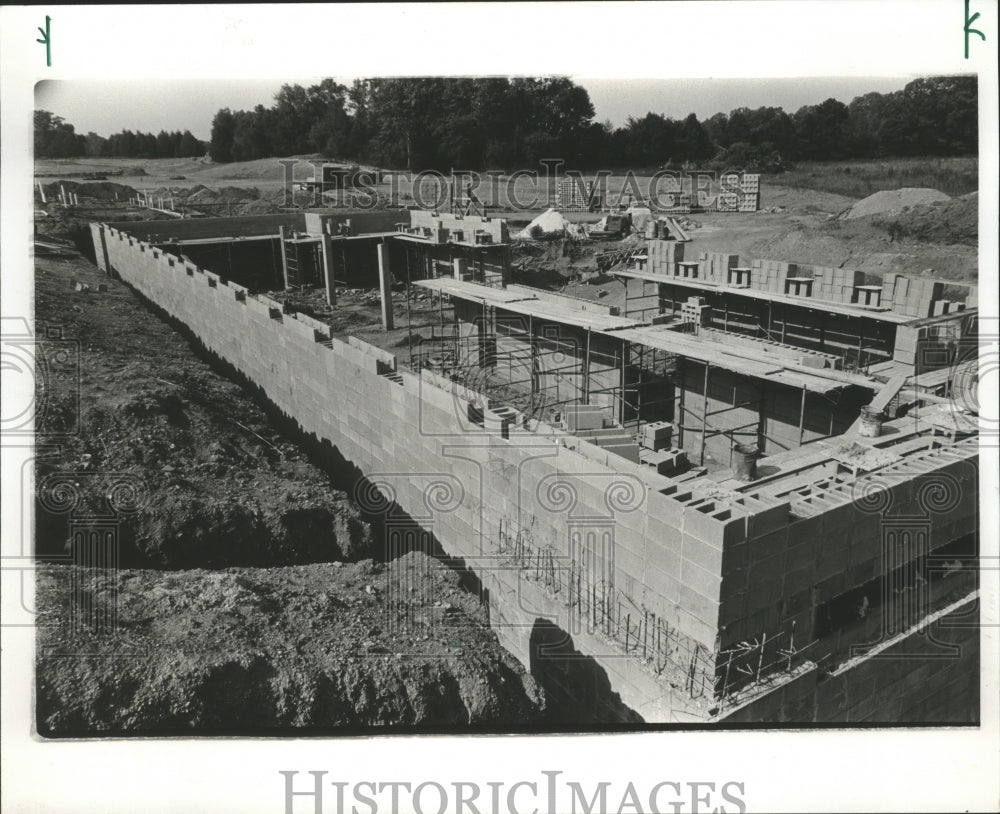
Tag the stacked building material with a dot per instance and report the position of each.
(695, 310)
(656, 435)
(577, 195)
(750, 185)
(770, 275)
(663, 256)
(715, 266)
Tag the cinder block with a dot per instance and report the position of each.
(705, 582)
(698, 616)
(664, 557)
(702, 554)
(764, 517)
(735, 556)
(765, 546)
(732, 608)
(704, 526)
(763, 569)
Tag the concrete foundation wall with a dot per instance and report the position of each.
(647, 576)
(159, 231)
(929, 674)
(841, 536)
(625, 553)
(361, 222)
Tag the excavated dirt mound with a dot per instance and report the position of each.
(271, 650)
(889, 202)
(954, 221)
(131, 411)
(223, 195)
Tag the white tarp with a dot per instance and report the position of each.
(550, 221)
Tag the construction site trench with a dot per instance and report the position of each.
(252, 594)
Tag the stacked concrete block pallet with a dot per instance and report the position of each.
(574, 195)
(930, 292)
(770, 275)
(728, 202)
(911, 296)
(663, 256)
(750, 188)
(714, 266)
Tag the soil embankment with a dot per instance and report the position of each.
(248, 594)
(325, 648)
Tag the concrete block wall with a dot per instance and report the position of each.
(741, 408)
(838, 535)
(725, 390)
(98, 236)
(159, 231)
(406, 437)
(708, 568)
(468, 224)
(928, 674)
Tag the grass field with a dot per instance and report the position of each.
(849, 179)
(859, 179)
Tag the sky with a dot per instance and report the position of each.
(106, 107)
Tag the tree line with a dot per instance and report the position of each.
(505, 124)
(498, 123)
(57, 138)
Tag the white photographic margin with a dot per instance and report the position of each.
(856, 770)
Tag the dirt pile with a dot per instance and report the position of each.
(890, 202)
(955, 221)
(549, 264)
(212, 481)
(271, 650)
